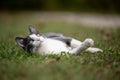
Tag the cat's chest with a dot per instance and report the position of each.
(51, 46)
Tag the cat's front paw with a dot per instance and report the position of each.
(88, 42)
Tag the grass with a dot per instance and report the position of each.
(15, 64)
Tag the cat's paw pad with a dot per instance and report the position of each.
(89, 42)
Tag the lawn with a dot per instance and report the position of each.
(15, 64)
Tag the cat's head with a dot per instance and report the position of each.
(31, 41)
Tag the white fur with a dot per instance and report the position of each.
(50, 46)
(94, 50)
(36, 38)
(81, 46)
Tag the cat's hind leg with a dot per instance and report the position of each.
(78, 47)
(93, 50)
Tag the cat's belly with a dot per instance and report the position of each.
(50, 46)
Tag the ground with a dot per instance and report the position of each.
(17, 64)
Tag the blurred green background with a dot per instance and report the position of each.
(72, 18)
(62, 5)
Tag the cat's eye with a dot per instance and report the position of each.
(31, 41)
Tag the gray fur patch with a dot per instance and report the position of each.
(58, 36)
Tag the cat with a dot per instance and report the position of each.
(54, 43)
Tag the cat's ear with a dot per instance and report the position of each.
(20, 41)
(33, 30)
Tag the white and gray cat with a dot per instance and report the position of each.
(54, 43)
